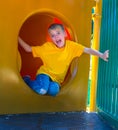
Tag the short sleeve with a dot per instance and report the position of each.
(77, 49)
(36, 51)
(80, 49)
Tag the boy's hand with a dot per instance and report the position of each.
(105, 55)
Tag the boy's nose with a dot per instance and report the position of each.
(56, 36)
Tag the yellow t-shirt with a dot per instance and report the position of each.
(55, 60)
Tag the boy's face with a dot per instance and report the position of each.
(58, 36)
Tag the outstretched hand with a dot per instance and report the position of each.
(105, 55)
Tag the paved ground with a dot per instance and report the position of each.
(53, 121)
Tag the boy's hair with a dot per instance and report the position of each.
(55, 25)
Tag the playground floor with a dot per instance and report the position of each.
(53, 121)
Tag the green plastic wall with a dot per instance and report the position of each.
(107, 87)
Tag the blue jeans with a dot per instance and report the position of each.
(43, 85)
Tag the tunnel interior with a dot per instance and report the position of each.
(34, 32)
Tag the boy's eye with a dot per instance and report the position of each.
(58, 32)
(52, 36)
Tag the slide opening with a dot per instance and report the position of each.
(34, 32)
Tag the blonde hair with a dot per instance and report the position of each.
(55, 25)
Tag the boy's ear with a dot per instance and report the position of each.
(65, 33)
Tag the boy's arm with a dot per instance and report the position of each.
(24, 45)
(103, 56)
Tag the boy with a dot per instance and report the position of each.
(56, 57)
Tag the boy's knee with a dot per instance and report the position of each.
(43, 81)
(53, 88)
(43, 77)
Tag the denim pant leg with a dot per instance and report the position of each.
(43, 80)
(54, 88)
(32, 83)
(40, 84)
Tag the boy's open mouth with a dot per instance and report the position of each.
(58, 41)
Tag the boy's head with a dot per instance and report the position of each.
(57, 34)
